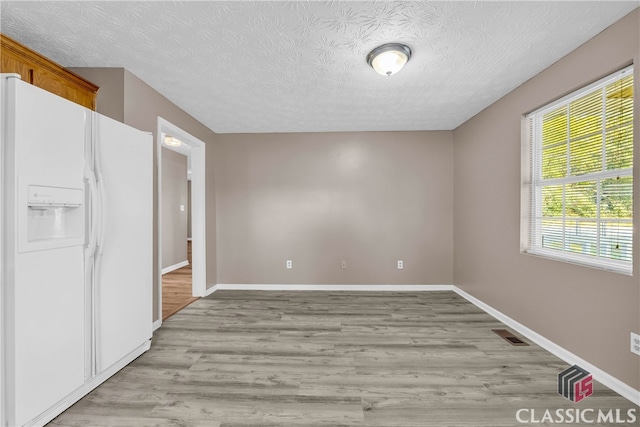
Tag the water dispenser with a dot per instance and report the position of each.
(51, 217)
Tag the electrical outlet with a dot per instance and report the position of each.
(635, 343)
(400, 264)
(343, 264)
(289, 263)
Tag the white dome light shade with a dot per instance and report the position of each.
(388, 59)
(172, 141)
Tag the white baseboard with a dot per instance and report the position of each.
(364, 288)
(599, 375)
(211, 290)
(94, 382)
(175, 267)
(606, 379)
(156, 325)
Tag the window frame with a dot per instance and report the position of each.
(533, 183)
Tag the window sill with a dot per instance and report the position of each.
(610, 266)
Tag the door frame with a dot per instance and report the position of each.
(196, 210)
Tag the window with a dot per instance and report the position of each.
(580, 170)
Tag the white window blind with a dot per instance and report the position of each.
(582, 175)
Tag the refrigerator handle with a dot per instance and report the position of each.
(93, 231)
(100, 239)
(98, 274)
(90, 371)
(101, 220)
(102, 223)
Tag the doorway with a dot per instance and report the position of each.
(181, 262)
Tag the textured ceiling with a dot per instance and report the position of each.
(299, 66)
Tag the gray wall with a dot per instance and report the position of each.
(174, 195)
(587, 311)
(110, 100)
(368, 198)
(125, 97)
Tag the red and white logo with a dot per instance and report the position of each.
(575, 383)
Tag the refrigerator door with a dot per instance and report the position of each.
(44, 289)
(124, 263)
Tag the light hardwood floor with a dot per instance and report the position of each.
(241, 358)
(177, 291)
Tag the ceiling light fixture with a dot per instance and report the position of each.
(172, 141)
(389, 58)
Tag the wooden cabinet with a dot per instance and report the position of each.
(44, 73)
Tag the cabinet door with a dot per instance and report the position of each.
(44, 73)
(10, 63)
(63, 87)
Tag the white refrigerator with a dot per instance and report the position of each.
(76, 248)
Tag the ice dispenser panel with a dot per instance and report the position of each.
(54, 217)
(54, 197)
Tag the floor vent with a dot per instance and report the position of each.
(509, 337)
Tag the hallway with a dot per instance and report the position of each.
(177, 288)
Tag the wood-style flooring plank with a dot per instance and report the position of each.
(251, 358)
(177, 288)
